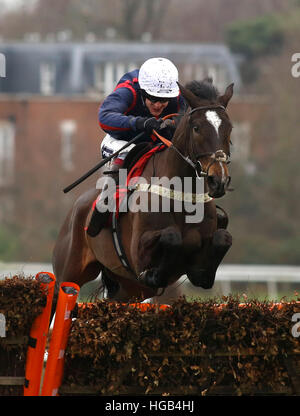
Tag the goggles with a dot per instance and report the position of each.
(156, 99)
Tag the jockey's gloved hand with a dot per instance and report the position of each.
(148, 124)
(168, 124)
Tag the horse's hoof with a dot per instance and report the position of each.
(150, 278)
(141, 276)
(222, 221)
(201, 278)
(222, 239)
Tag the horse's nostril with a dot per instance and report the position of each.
(216, 186)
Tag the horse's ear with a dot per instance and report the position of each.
(190, 98)
(224, 99)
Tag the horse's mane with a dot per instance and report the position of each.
(203, 89)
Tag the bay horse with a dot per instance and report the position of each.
(160, 246)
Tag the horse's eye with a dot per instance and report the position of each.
(196, 129)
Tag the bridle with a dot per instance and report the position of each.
(218, 156)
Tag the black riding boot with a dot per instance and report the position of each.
(99, 219)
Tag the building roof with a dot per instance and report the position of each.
(74, 63)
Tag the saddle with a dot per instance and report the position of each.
(135, 154)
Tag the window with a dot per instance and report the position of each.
(67, 129)
(99, 78)
(106, 75)
(241, 140)
(47, 78)
(219, 75)
(109, 78)
(196, 71)
(7, 152)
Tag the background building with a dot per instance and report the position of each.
(93, 69)
(49, 133)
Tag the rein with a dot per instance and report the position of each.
(218, 156)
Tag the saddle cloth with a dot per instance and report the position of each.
(135, 172)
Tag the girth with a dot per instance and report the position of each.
(117, 235)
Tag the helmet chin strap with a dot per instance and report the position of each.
(142, 97)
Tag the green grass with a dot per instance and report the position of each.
(251, 290)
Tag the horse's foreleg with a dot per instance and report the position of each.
(203, 270)
(167, 256)
(122, 289)
(110, 284)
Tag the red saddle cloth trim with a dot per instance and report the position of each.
(135, 172)
(139, 166)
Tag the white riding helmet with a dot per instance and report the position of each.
(158, 77)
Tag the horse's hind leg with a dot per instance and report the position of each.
(76, 275)
(202, 270)
(73, 260)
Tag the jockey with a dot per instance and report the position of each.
(137, 104)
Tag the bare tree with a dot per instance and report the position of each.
(169, 20)
(140, 16)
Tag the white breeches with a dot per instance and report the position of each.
(110, 145)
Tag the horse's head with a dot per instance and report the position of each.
(206, 129)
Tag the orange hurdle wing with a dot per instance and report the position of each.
(68, 293)
(38, 338)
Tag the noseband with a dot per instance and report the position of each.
(218, 156)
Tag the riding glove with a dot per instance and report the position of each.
(148, 124)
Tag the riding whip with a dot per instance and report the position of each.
(100, 164)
